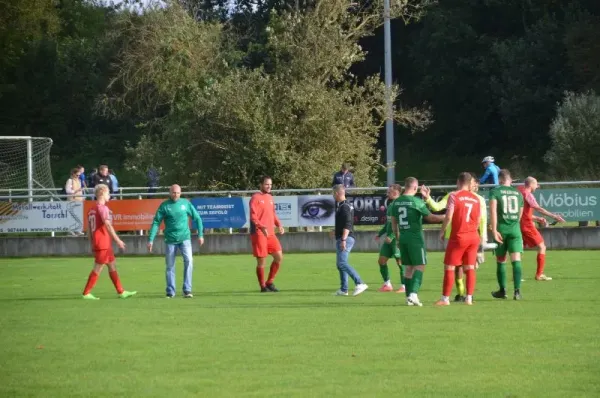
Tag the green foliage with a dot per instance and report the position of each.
(297, 115)
(575, 134)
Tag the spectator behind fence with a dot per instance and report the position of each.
(102, 177)
(114, 181)
(153, 178)
(84, 183)
(491, 171)
(74, 191)
(92, 178)
(344, 177)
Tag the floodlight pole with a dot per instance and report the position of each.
(389, 117)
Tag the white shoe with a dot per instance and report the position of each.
(188, 295)
(340, 293)
(543, 278)
(359, 289)
(414, 299)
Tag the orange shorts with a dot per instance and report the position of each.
(461, 252)
(263, 245)
(105, 256)
(531, 237)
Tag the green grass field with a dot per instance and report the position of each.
(230, 340)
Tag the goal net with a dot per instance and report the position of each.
(25, 166)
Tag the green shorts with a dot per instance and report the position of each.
(413, 254)
(389, 250)
(512, 242)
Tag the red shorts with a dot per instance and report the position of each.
(263, 245)
(531, 237)
(105, 256)
(461, 252)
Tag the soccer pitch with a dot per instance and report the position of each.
(230, 340)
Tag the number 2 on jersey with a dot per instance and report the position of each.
(510, 205)
(402, 214)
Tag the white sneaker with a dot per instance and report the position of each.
(188, 295)
(340, 292)
(414, 299)
(543, 278)
(359, 289)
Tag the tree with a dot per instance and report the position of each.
(575, 135)
(296, 115)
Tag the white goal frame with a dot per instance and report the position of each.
(29, 140)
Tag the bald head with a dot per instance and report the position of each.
(531, 184)
(175, 191)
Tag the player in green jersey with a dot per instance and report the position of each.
(506, 209)
(407, 223)
(389, 247)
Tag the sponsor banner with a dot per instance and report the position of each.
(573, 204)
(220, 212)
(369, 209)
(19, 217)
(128, 214)
(316, 210)
(286, 208)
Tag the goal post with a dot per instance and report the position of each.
(25, 164)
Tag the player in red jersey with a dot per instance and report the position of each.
(263, 221)
(100, 233)
(464, 212)
(531, 236)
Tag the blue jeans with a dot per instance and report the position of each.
(341, 261)
(185, 248)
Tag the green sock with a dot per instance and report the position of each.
(417, 280)
(516, 265)
(408, 283)
(385, 272)
(402, 280)
(501, 275)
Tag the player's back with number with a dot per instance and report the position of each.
(509, 207)
(101, 239)
(409, 212)
(466, 214)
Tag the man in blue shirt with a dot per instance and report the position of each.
(344, 177)
(491, 171)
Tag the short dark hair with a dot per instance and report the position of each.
(465, 178)
(409, 181)
(103, 166)
(345, 166)
(503, 175)
(265, 178)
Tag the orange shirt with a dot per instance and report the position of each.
(100, 236)
(529, 205)
(262, 213)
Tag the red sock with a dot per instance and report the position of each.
(92, 279)
(448, 282)
(114, 277)
(541, 262)
(471, 279)
(260, 274)
(272, 272)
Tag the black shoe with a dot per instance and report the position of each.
(459, 299)
(517, 295)
(500, 294)
(271, 287)
(264, 290)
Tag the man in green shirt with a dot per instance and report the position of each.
(506, 209)
(407, 223)
(389, 247)
(176, 212)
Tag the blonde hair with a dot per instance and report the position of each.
(100, 189)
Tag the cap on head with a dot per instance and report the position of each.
(488, 159)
